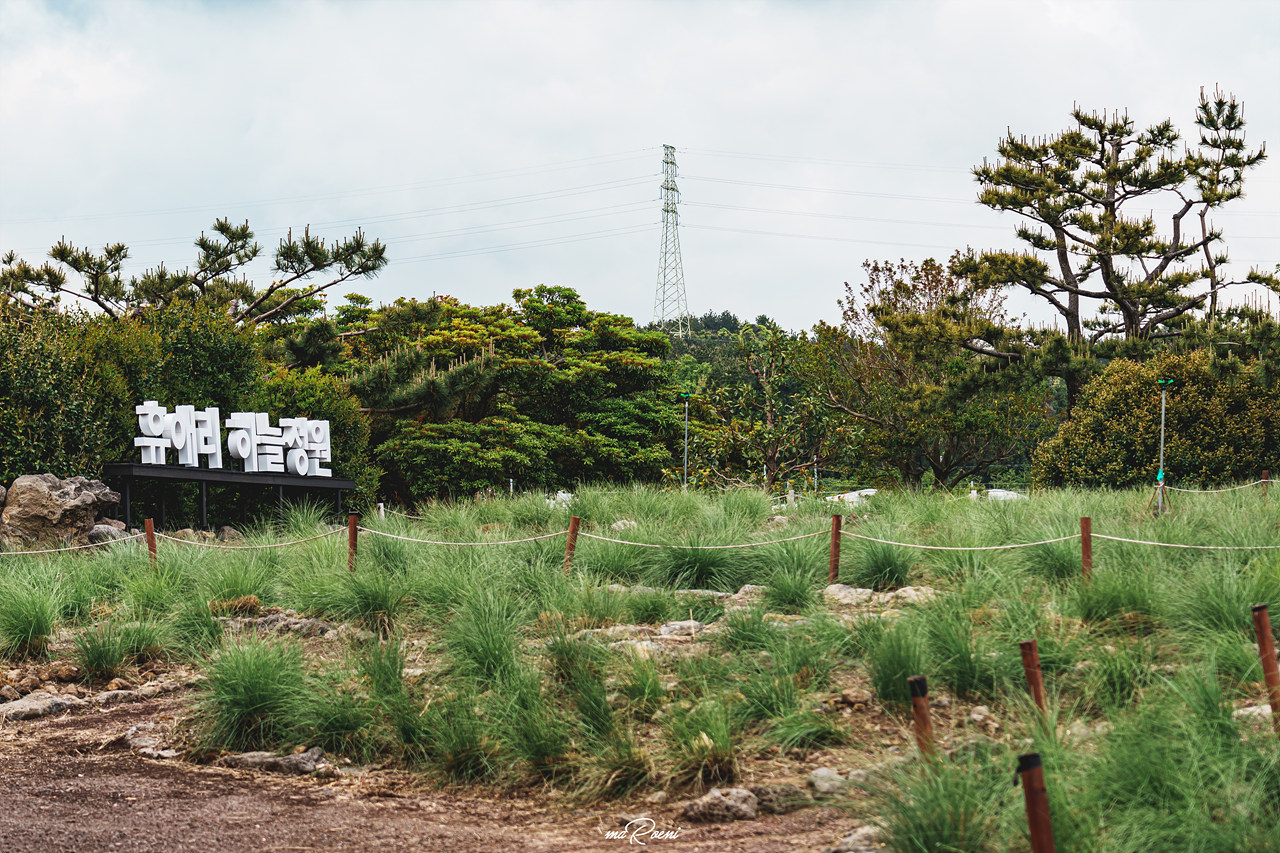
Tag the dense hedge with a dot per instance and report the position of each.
(69, 382)
(1216, 431)
(313, 394)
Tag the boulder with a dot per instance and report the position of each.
(43, 509)
(780, 799)
(824, 781)
(2, 493)
(103, 533)
(721, 806)
(229, 534)
(843, 595)
(38, 704)
(296, 764)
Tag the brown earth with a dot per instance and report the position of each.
(68, 784)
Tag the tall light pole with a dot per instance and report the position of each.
(686, 440)
(1164, 384)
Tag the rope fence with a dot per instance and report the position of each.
(354, 528)
(1216, 491)
(70, 547)
(243, 547)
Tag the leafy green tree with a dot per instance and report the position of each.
(924, 405)
(769, 424)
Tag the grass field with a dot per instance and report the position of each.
(488, 665)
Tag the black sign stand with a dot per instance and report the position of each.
(127, 472)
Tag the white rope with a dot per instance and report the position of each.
(703, 547)
(246, 547)
(959, 547)
(71, 548)
(406, 515)
(430, 542)
(1196, 547)
(1214, 491)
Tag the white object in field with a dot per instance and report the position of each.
(854, 498)
(562, 498)
(1005, 495)
(973, 493)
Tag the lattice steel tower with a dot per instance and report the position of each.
(670, 307)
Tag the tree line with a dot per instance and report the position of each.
(925, 379)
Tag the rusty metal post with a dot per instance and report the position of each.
(1035, 678)
(353, 535)
(571, 543)
(1032, 773)
(833, 571)
(150, 527)
(919, 688)
(1086, 546)
(1267, 652)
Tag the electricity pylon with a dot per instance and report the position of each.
(670, 307)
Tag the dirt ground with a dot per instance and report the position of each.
(65, 786)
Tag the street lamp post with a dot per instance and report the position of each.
(686, 440)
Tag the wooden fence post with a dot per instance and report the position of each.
(919, 688)
(833, 570)
(1035, 678)
(570, 543)
(353, 535)
(150, 527)
(1086, 546)
(1267, 652)
(1032, 773)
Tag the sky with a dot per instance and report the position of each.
(501, 145)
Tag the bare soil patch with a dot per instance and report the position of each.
(69, 785)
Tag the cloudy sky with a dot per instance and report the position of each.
(497, 145)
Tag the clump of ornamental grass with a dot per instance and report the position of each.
(748, 630)
(529, 724)
(948, 803)
(342, 722)
(791, 588)
(448, 735)
(371, 598)
(618, 767)
(240, 578)
(650, 607)
(642, 685)
(100, 652)
(701, 747)
(896, 657)
(193, 625)
(381, 665)
(481, 635)
(881, 567)
(28, 612)
(804, 730)
(255, 695)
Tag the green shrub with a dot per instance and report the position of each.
(481, 636)
(1216, 431)
(806, 730)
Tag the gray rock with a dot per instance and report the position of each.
(686, 628)
(9, 693)
(618, 632)
(911, 595)
(824, 781)
(780, 799)
(43, 509)
(2, 494)
(297, 764)
(229, 534)
(721, 806)
(38, 704)
(643, 649)
(864, 839)
(623, 524)
(108, 698)
(657, 798)
(1254, 712)
(843, 595)
(103, 533)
